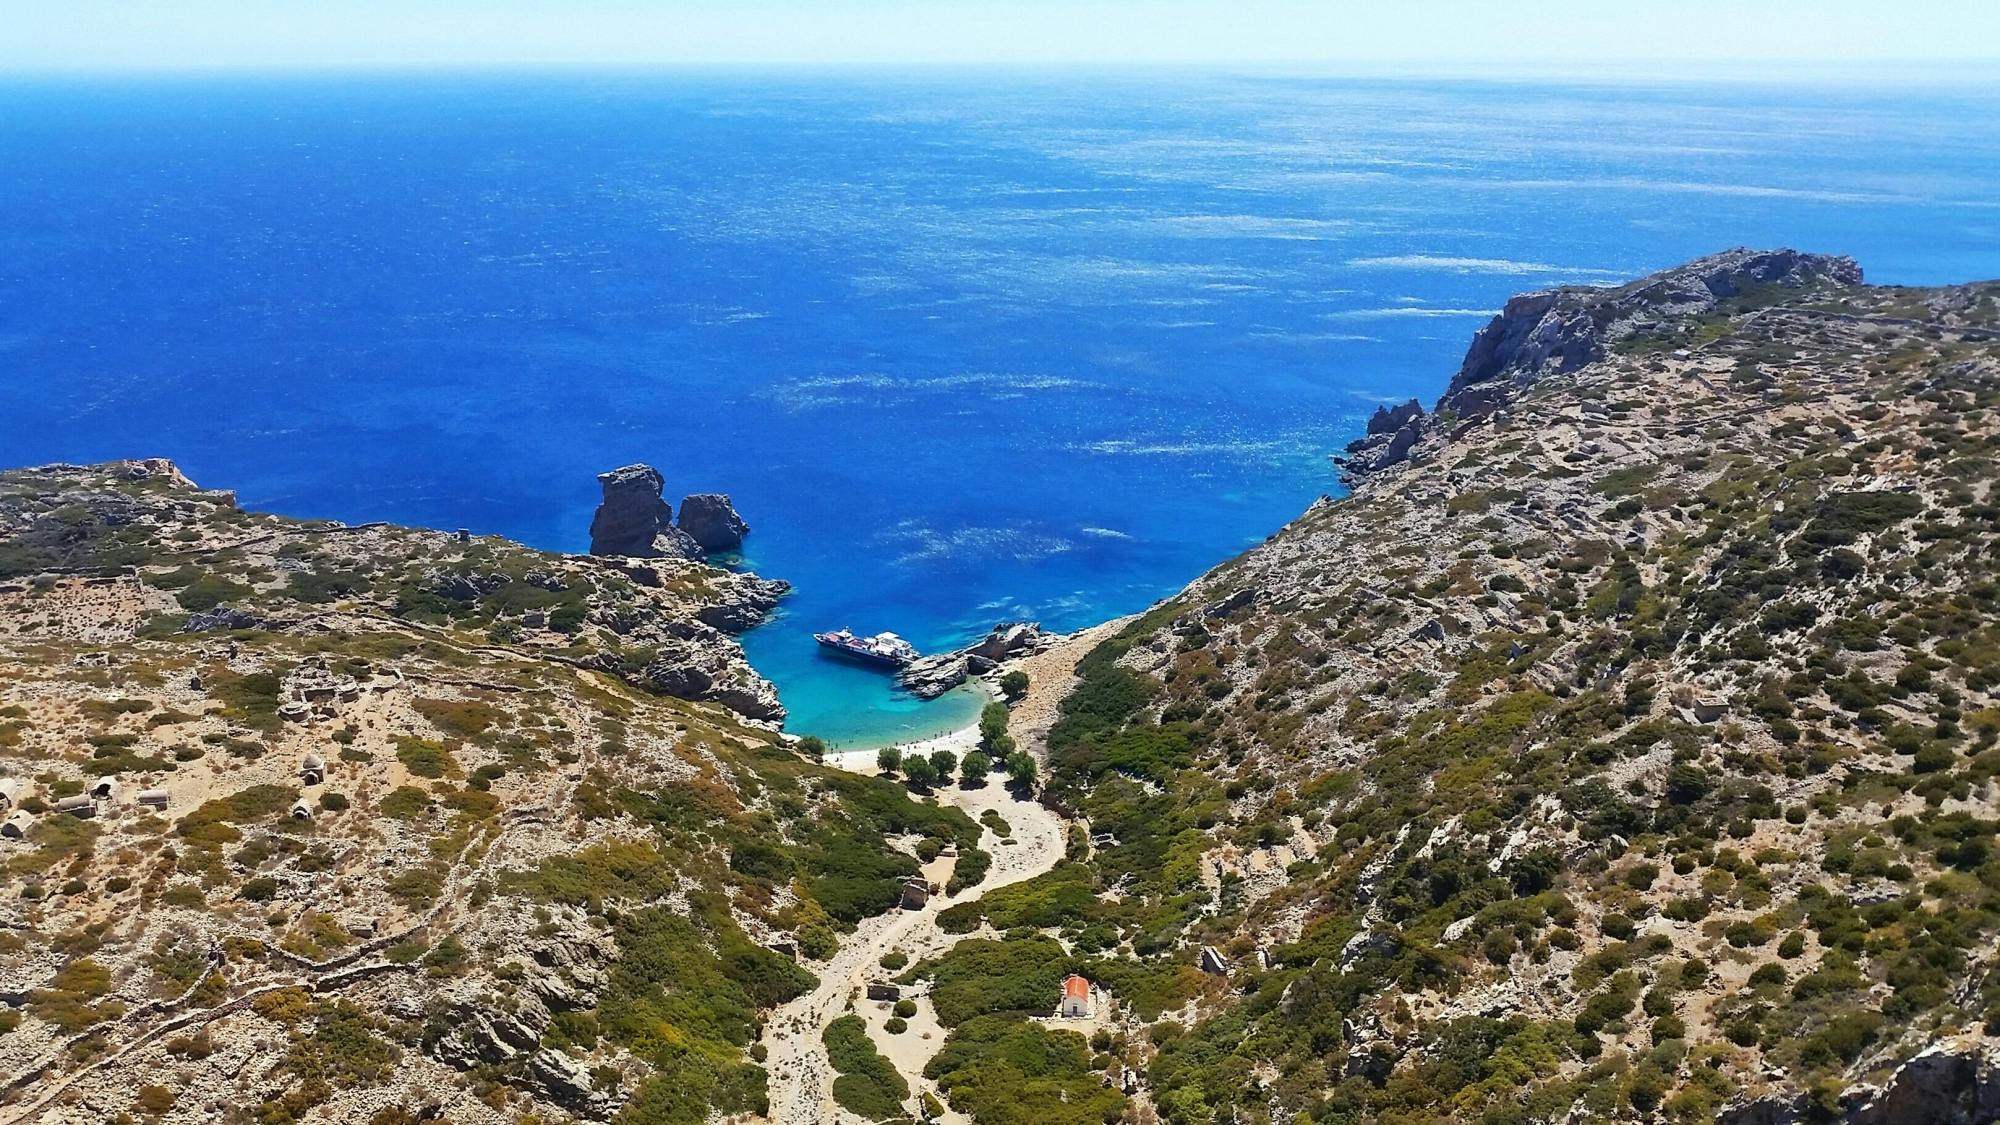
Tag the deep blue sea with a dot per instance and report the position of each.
(963, 348)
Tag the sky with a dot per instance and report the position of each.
(1495, 36)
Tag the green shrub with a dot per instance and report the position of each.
(867, 1084)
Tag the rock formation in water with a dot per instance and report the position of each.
(635, 520)
(711, 521)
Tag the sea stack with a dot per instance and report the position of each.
(711, 520)
(635, 520)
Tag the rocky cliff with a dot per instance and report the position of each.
(1623, 751)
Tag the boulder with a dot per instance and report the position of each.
(1398, 449)
(635, 520)
(569, 1083)
(711, 520)
(1943, 1085)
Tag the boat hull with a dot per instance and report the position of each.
(871, 659)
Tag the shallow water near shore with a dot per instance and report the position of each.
(1014, 345)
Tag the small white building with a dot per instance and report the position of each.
(1075, 998)
(11, 792)
(153, 798)
(16, 827)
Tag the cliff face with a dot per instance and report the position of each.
(1626, 751)
(1563, 329)
(302, 821)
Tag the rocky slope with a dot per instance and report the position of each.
(306, 822)
(1623, 748)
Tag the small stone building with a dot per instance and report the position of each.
(155, 798)
(1212, 962)
(879, 990)
(16, 827)
(916, 893)
(11, 792)
(312, 771)
(104, 789)
(78, 805)
(301, 810)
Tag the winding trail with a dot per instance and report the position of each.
(801, 1078)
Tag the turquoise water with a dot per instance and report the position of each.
(963, 348)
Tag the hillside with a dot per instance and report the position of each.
(396, 825)
(1621, 749)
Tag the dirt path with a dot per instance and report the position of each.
(801, 1082)
(801, 1079)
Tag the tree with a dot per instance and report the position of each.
(813, 747)
(888, 759)
(944, 762)
(1021, 769)
(992, 724)
(973, 770)
(1014, 684)
(919, 772)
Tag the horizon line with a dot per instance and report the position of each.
(1665, 69)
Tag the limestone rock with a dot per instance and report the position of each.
(1398, 449)
(568, 1083)
(1943, 1084)
(931, 676)
(692, 669)
(1562, 329)
(1389, 419)
(634, 519)
(220, 618)
(928, 677)
(711, 521)
(746, 603)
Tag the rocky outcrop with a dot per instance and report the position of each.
(1389, 419)
(746, 602)
(693, 669)
(1945, 1084)
(222, 617)
(1563, 329)
(1381, 448)
(711, 521)
(634, 519)
(931, 676)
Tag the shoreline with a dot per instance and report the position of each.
(959, 740)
